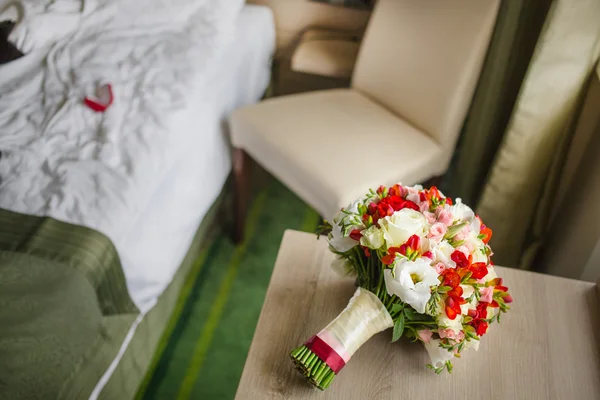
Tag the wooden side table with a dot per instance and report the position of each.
(546, 347)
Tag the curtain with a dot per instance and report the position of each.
(572, 245)
(513, 42)
(520, 187)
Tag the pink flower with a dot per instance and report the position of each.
(470, 246)
(424, 206)
(425, 335)
(444, 216)
(465, 250)
(451, 334)
(439, 267)
(431, 219)
(414, 197)
(487, 294)
(437, 232)
(463, 233)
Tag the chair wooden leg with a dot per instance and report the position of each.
(241, 181)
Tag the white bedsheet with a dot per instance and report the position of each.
(146, 171)
(165, 230)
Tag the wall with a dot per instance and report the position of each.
(572, 248)
(292, 17)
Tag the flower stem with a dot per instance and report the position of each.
(315, 370)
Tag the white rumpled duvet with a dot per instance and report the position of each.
(61, 159)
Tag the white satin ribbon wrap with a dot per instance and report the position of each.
(364, 316)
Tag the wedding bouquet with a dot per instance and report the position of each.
(423, 266)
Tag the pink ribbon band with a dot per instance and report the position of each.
(326, 353)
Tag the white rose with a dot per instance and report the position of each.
(443, 252)
(475, 226)
(340, 242)
(353, 207)
(490, 275)
(372, 238)
(467, 292)
(460, 211)
(437, 354)
(401, 225)
(473, 242)
(342, 267)
(471, 344)
(478, 256)
(412, 282)
(447, 323)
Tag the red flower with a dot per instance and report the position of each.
(388, 259)
(486, 234)
(397, 203)
(460, 259)
(481, 326)
(456, 292)
(454, 299)
(453, 306)
(367, 251)
(388, 205)
(411, 246)
(371, 208)
(428, 254)
(451, 278)
(414, 242)
(356, 234)
(497, 284)
(384, 209)
(448, 201)
(395, 190)
(480, 311)
(478, 270)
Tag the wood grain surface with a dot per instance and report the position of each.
(546, 347)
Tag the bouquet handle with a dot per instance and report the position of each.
(322, 357)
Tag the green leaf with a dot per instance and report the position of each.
(324, 229)
(456, 244)
(468, 328)
(397, 307)
(398, 328)
(409, 313)
(466, 277)
(443, 289)
(454, 229)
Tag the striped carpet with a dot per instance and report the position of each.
(204, 356)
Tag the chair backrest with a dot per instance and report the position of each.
(422, 58)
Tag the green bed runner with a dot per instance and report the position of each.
(64, 307)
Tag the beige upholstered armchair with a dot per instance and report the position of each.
(412, 85)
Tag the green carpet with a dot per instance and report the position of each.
(205, 354)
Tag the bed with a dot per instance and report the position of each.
(134, 189)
